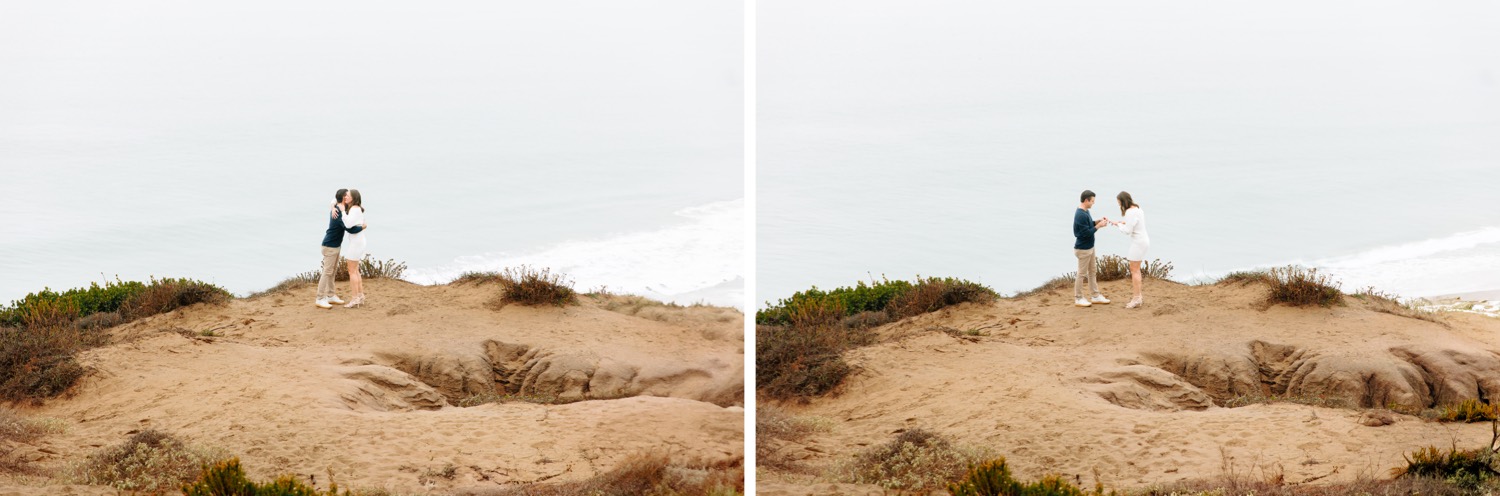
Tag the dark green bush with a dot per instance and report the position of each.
(899, 299)
(87, 301)
(862, 297)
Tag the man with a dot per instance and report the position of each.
(332, 239)
(1083, 229)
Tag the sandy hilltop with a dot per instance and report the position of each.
(1170, 392)
(379, 396)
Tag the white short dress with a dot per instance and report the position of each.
(354, 243)
(1135, 227)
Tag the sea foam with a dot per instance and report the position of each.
(700, 259)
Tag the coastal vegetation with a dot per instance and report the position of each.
(41, 334)
(800, 341)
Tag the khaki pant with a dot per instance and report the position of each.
(330, 266)
(1086, 269)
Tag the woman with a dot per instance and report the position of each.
(1134, 226)
(353, 248)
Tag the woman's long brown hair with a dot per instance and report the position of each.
(1124, 198)
(354, 195)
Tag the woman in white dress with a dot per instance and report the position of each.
(353, 249)
(1134, 226)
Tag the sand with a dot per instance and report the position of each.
(294, 389)
(1106, 390)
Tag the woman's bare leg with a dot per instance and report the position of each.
(356, 284)
(1135, 278)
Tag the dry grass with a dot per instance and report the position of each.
(1115, 268)
(170, 294)
(1291, 285)
(805, 359)
(39, 362)
(644, 474)
(933, 294)
(16, 429)
(775, 428)
(1389, 303)
(530, 286)
(1364, 486)
(1107, 268)
(368, 269)
(1060, 282)
(917, 461)
(1470, 410)
(646, 308)
(150, 461)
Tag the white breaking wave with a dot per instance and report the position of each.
(700, 260)
(1459, 263)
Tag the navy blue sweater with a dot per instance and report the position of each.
(335, 236)
(1083, 229)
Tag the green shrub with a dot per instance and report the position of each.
(85, 301)
(129, 299)
(227, 478)
(898, 299)
(525, 285)
(862, 297)
(150, 461)
(916, 461)
(42, 332)
(993, 478)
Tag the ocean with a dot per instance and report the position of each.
(949, 138)
(180, 139)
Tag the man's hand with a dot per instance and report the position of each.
(1100, 223)
(364, 226)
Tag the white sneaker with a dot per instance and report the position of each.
(334, 300)
(1082, 303)
(1099, 300)
(323, 303)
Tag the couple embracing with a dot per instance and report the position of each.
(1084, 227)
(347, 214)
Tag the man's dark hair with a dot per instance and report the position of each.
(338, 196)
(1082, 198)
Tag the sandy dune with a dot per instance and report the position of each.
(370, 394)
(1137, 395)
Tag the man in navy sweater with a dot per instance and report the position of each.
(1083, 230)
(332, 239)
